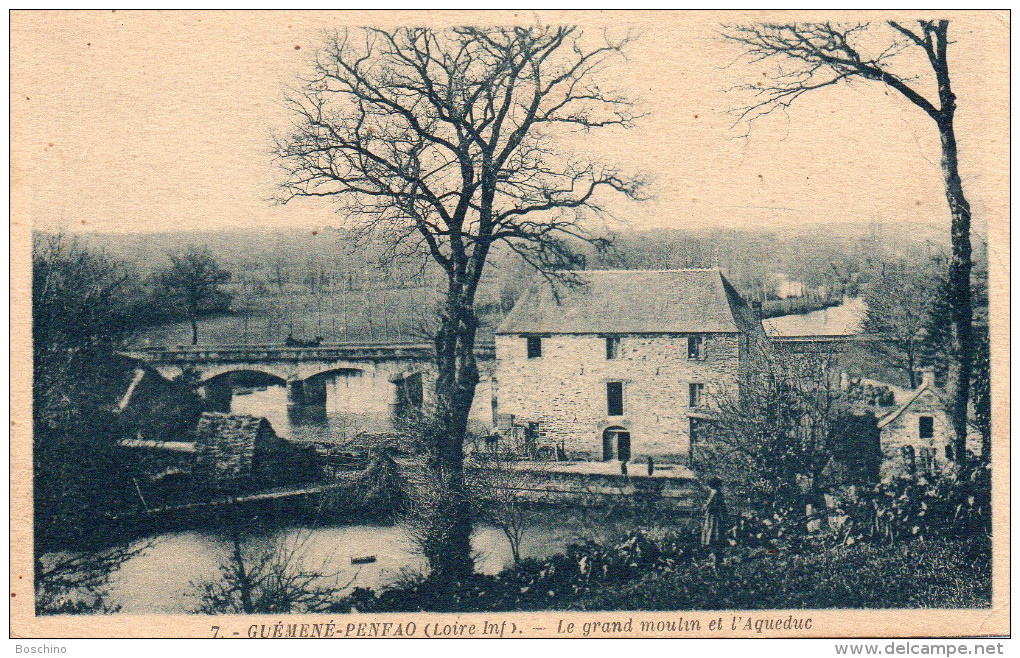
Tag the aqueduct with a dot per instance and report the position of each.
(409, 367)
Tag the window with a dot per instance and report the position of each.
(926, 427)
(694, 431)
(534, 347)
(949, 451)
(695, 347)
(614, 398)
(612, 347)
(697, 395)
(926, 458)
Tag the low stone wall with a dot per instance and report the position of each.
(596, 489)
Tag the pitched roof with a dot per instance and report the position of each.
(632, 301)
(898, 411)
(215, 426)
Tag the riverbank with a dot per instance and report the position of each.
(642, 572)
(165, 575)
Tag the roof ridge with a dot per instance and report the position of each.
(630, 301)
(895, 413)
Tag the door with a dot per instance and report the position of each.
(623, 446)
(607, 445)
(615, 443)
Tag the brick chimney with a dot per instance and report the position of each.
(928, 377)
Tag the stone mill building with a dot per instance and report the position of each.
(624, 365)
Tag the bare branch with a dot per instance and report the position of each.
(812, 56)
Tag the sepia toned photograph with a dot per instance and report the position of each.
(509, 324)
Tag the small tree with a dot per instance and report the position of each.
(900, 304)
(195, 278)
(497, 487)
(268, 574)
(777, 432)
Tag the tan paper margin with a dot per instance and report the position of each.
(826, 623)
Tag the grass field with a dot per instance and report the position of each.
(384, 315)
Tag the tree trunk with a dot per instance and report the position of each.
(244, 584)
(194, 330)
(456, 380)
(958, 375)
(515, 546)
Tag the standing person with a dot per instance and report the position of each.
(651, 465)
(714, 526)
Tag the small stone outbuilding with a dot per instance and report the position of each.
(917, 436)
(231, 449)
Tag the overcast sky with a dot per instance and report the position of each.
(127, 121)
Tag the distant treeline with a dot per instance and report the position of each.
(773, 308)
(325, 283)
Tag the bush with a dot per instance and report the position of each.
(670, 574)
(267, 574)
(939, 574)
(953, 505)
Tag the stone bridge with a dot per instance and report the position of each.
(409, 367)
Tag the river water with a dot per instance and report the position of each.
(163, 578)
(846, 319)
(356, 402)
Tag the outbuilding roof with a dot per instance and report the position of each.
(633, 301)
(898, 411)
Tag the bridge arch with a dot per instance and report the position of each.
(214, 371)
(245, 372)
(344, 371)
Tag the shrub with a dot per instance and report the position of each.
(953, 505)
(267, 574)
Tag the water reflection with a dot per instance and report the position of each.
(355, 402)
(162, 579)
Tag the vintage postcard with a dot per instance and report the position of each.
(510, 324)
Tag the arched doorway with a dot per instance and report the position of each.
(616, 443)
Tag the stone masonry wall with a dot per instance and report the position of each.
(565, 389)
(904, 431)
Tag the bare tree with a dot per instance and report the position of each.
(280, 265)
(811, 56)
(900, 303)
(778, 431)
(498, 493)
(195, 277)
(442, 141)
(269, 574)
(77, 582)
